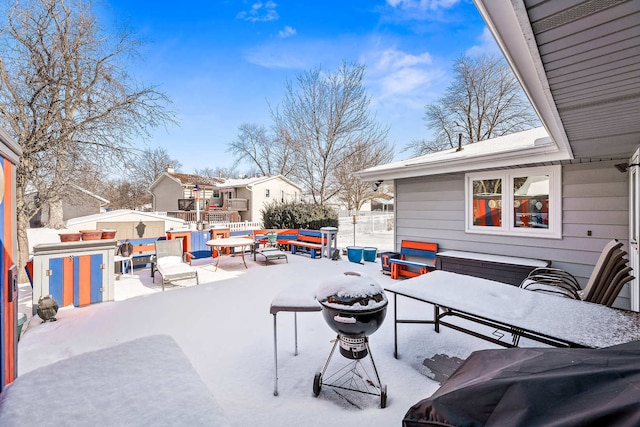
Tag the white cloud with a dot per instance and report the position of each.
(422, 5)
(396, 59)
(397, 75)
(486, 45)
(287, 31)
(261, 12)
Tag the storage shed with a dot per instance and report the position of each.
(9, 157)
(127, 223)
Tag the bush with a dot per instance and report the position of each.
(298, 215)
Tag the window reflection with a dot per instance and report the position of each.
(487, 202)
(531, 201)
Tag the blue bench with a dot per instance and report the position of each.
(307, 241)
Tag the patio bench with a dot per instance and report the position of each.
(410, 267)
(307, 241)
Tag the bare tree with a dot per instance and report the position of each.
(354, 192)
(127, 194)
(66, 98)
(324, 119)
(206, 172)
(484, 101)
(152, 163)
(266, 153)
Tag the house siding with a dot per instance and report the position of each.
(166, 194)
(594, 198)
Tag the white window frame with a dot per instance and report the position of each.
(507, 228)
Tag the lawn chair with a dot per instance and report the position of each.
(170, 262)
(605, 283)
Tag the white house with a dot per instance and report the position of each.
(256, 192)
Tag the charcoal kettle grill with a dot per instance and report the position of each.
(354, 306)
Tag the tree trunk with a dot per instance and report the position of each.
(23, 248)
(55, 220)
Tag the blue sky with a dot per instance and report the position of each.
(222, 62)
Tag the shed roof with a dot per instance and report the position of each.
(111, 215)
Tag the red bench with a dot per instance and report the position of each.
(309, 241)
(409, 264)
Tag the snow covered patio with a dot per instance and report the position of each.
(224, 328)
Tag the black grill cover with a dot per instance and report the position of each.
(538, 387)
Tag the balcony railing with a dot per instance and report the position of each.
(230, 204)
(237, 204)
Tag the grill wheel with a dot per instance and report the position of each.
(317, 384)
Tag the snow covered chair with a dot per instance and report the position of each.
(170, 262)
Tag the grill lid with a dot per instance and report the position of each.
(351, 291)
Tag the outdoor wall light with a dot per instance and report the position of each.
(622, 167)
(376, 185)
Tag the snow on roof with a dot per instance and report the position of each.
(82, 190)
(248, 182)
(519, 148)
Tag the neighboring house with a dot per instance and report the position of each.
(76, 202)
(127, 223)
(174, 191)
(250, 195)
(562, 195)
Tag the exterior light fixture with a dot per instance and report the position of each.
(622, 167)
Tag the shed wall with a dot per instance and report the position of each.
(594, 198)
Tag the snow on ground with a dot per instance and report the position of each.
(226, 331)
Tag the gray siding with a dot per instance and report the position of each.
(594, 198)
(166, 194)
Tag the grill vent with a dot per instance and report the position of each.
(577, 12)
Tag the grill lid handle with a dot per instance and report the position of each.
(341, 319)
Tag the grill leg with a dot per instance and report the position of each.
(375, 370)
(326, 364)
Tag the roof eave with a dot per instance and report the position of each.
(509, 23)
(545, 153)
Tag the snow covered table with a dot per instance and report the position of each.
(294, 299)
(548, 319)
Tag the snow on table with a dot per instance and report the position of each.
(573, 321)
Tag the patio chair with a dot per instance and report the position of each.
(605, 283)
(170, 262)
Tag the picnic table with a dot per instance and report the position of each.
(553, 320)
(230, 242)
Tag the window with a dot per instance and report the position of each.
(267, 193)
(515, 202)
